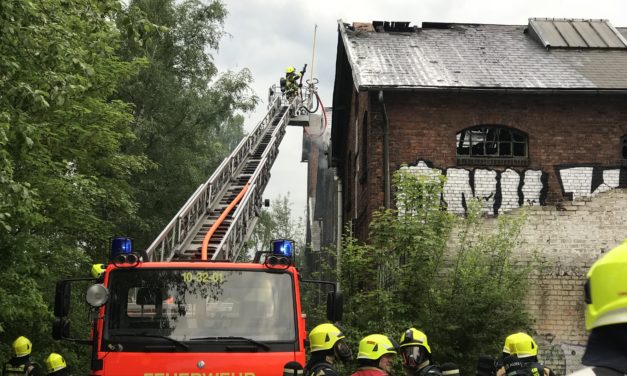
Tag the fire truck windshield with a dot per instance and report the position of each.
(199, 307)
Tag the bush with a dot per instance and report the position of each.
(451, 277)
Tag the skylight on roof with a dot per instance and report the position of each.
(569, 33)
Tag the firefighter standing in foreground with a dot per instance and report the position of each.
(327, 344)
(55, 365)
(416, 354)
(376, 356)
(20, 363)
(523, 358)
(498, 364)
(606, 316)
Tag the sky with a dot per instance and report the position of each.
(266, 36)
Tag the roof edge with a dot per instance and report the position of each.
(341, 25)
(451, 89)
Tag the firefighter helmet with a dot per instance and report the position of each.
(413, 337)
(606, 294)
(375, 346)
(414, 348)
(55, 362)
(508, 342)
(522, 345)
(22, 346)
(289, 70)
(323, 337)
(97, 270)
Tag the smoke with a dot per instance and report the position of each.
(318, 134)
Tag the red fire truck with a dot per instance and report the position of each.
(195, 318)
(183, 307)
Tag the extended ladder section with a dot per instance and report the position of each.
(248, 166)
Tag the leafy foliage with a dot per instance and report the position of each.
(63, 176)
(275, 223)
(454, 278)
(110, 115)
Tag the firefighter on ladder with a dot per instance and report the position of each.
(20, 364)
(290, 84)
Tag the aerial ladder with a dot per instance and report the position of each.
(219, 217)
(161, 312)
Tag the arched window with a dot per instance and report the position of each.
(492, 145)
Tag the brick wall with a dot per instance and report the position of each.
(563, 130)
(574, 153)
(567, 239)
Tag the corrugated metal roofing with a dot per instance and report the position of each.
(477, 56)
(568, 33)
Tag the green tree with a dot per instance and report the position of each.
(188, 117)
(482, 298)
(452, 277)
(63, 176)
(275, 223)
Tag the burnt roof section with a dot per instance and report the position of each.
(570, 33)
(476, 56)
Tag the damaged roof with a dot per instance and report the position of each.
(484, 56)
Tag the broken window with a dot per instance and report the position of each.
(491, 145)
(492, 141)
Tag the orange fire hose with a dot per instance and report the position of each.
(205, 241)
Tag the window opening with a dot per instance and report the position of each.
(492, 142)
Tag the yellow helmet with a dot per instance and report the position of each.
(606, 289)
(323, 337)
(97, 270)
(375, 346)
(414, 349)
(413, 337)
(22, 346)
(522, 345)
(507, 344)
(290, 70)
(55, 362)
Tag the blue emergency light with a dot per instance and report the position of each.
(283, 247)
(120, 246)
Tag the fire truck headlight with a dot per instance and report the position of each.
(97, 295)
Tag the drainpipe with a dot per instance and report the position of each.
(338, 240)
(386, 152)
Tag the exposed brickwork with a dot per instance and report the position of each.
(567, 239)
(565, 132)
(562, 130)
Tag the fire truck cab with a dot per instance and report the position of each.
(194, 318)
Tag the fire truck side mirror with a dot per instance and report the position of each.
(62, 299)
(335, 306)
(60, 329)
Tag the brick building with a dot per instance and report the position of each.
(514, 114)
